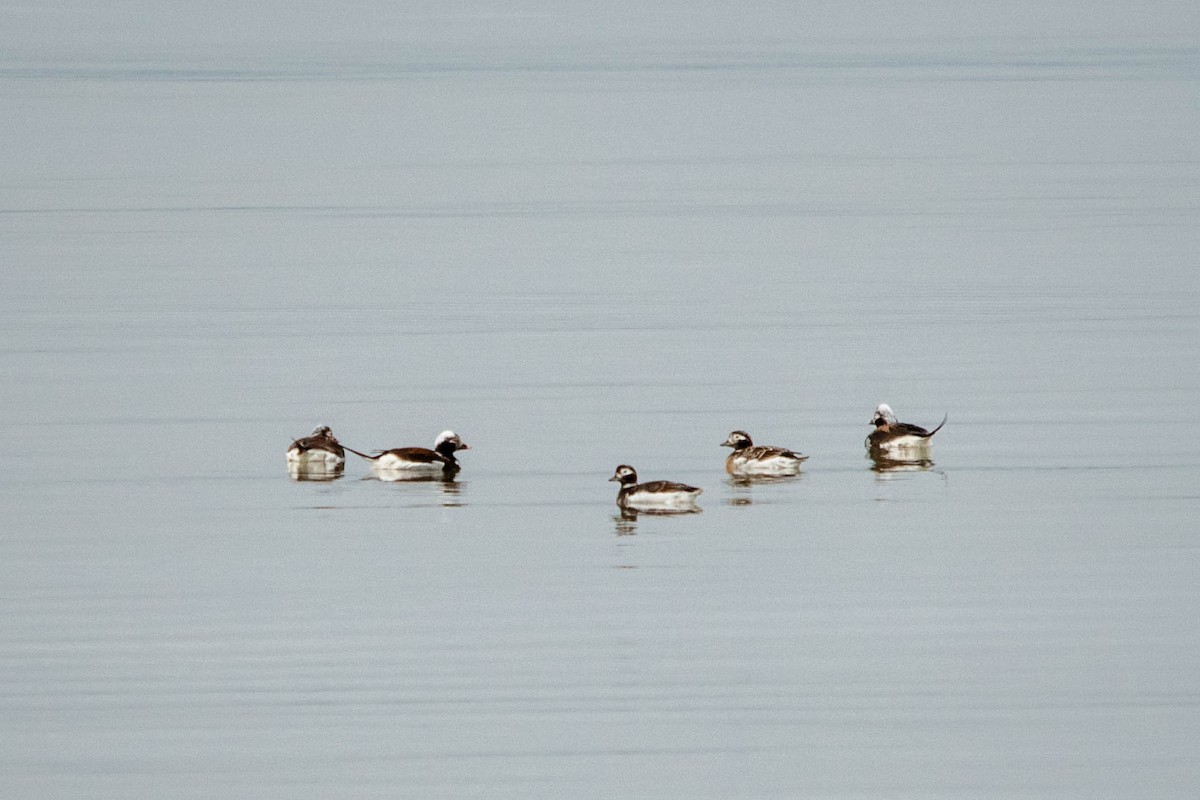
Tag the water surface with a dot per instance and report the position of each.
(582, 240)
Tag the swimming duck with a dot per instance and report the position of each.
(655, 495)
(749, 458)
(892, 436)
(318, 449)
(421, 460)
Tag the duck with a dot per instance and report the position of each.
(749, 458)
(421, 460)
(319, 449)
(655, 495)
(891, 436)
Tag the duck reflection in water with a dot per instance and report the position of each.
(449, 490)
(626, 522)
(742, 486)
(884, 463)
(302, 471)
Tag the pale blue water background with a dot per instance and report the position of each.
(583, 236)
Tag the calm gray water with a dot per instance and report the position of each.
(581, 237)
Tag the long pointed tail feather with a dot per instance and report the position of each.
(939, 427)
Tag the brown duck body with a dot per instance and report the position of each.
(318, 448)
(890, 435)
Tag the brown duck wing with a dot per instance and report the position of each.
(319, 443)
(758, 452)
(420, 455)
(905, 428)
(908, 429)
(664, 486)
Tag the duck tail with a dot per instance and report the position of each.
(363, 455)
(939, 427)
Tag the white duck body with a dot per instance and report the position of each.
(410, 459)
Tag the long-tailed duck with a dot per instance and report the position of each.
(891, 436)
(421, 460)
(749, 458)
(655, 495)
(318, 449)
